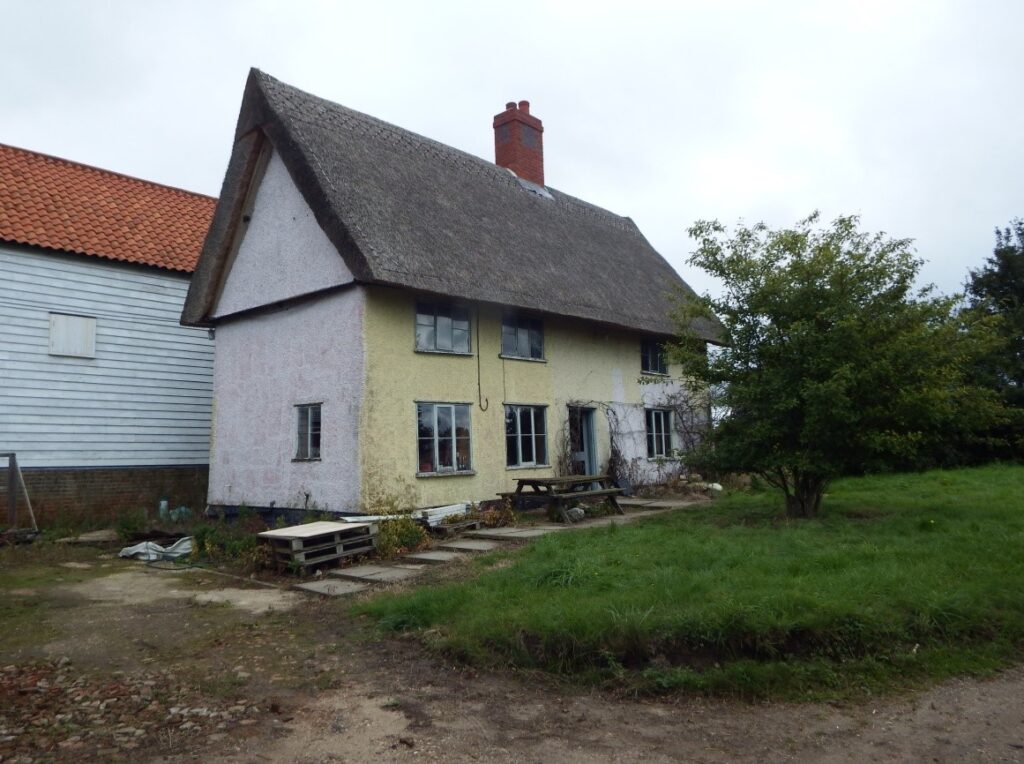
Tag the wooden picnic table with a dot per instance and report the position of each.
(557, 492)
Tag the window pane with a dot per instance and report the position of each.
(462, 454)
(541, 448)
(508, 340)
(511, 423)
(526, 421)
(526, 448)
(444, 332)
(425, 417)
(460, 340)
(522, 341)
(462, 421)
(511, 451)
(444, 422)
(425, 337)
(536, 343)
(460, 317)
(302, 452)
(444, 454)
(538, 419)
(314, 432)
(424, 313)
(426, 455)
(650, 444)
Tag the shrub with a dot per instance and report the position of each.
(398, 536)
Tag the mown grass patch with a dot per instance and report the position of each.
(905, 578)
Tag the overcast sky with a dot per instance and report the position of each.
(908, 114)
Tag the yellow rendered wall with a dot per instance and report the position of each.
(583, 364)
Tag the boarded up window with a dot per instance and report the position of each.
(72, 335)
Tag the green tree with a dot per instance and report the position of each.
(831, 362)
(997, 290)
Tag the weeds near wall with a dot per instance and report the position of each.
(399, 536)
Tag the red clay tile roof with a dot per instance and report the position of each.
(58, 204)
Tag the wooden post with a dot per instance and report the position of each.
(12, 491)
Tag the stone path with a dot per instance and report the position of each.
(345, 581)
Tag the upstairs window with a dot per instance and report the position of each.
(659, 433)
(443, 437)
(652, 358)
(309, 431)
(522, 337)
(525, 436)
(442, 327)
(73, 336)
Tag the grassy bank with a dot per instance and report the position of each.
(905, 578)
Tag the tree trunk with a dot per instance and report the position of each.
(805, 498)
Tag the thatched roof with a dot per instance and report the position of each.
(407, 211)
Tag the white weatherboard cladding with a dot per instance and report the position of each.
(266, 365)
(283, 252)
(144, 399)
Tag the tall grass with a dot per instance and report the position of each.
(903, 578)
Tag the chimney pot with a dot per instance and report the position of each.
(524, 106)
(510, 105)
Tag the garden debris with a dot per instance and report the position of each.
(150, 551)
(51, 710)
(320, 542)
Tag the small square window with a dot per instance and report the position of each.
(309, 431)
(73, 336)
(522, 337)
(652, 358)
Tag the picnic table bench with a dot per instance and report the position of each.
(558, 492)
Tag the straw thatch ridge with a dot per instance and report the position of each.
(409, 212)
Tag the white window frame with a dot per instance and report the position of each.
(536, 413)
(72, 335)
(304, 449)
(659, 441)
(454, 469)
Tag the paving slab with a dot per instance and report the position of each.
(668, 504)
(375, 573)
(471, 545)
(330, 588)
(433, 556)
(514, 534)
(633, 502)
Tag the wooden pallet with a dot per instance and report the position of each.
(317, 543)
(451, 529)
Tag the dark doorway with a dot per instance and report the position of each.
(583, 457)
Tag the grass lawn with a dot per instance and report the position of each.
(904, 579)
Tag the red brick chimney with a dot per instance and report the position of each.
(519, 142)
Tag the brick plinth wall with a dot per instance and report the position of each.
(89, 496)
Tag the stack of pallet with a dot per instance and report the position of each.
(316, 543)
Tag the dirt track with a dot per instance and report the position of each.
(403, 708)
(318, 686)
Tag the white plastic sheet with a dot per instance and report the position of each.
(150, 551)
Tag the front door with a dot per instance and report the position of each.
(583, 460)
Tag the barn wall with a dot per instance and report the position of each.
(143, 400)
